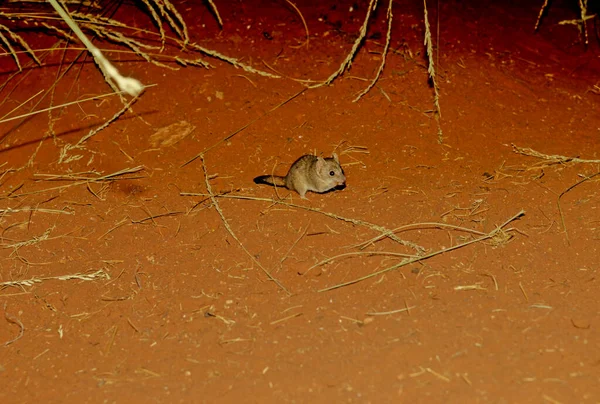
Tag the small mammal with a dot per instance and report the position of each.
(309, 173)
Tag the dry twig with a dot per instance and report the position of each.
(12, 319)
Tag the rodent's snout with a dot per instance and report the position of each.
(340, 186)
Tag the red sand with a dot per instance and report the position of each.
(188, 316)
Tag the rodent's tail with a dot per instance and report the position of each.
(273, 180)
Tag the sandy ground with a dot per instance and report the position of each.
(144, 289)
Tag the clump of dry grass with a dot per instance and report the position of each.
(141, 42)
(86, 20)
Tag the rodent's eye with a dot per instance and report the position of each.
(332, 173)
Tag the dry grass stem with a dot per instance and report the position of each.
(551, 400)
(11, 50)
(387, 313)
(469, 287)
(4, 119)
(353, 149)
(235, 340)
(152, 217)
(383, 56)
(137, 330)
(37, 210)
(223, 319)
(405, 262)
(359, 253)
(541, 13)
(13, 320)
(303, 22)
(582, 23)
(108, 122)
(90, 276)
(493, 279)
(18, 39)
(551, 158)
(177, 23)
(226, 224)
(541, 306)
(523, 291)
(35, 240)
(216, 11)
(111, 340)
(303, 81)
(294, 244)
(45, 351)
(146, 372)
(127, 220)
(61, 33)
(562, 216)
(127, 84)
(194, 62)
(157, 22)
(233, 61)
(64, 158)
(436, 374)
(135, 46)
(108, 177)
(82, 177)
(348, 61)
(431, 71)
(354, 320)
(285, 318)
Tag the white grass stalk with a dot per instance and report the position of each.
(128, 85)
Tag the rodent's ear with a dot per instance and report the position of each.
(335, 157)
(320, 163)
